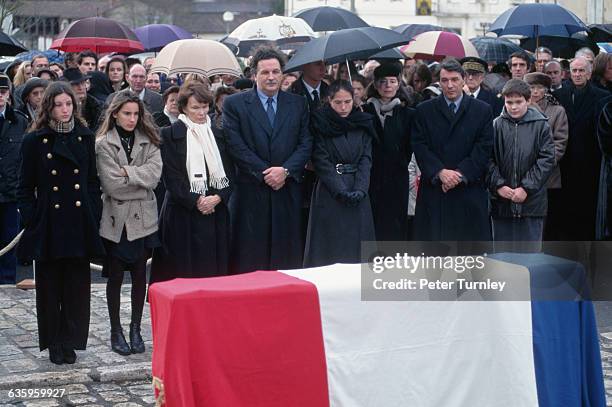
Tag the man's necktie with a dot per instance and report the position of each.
(452, 107)
(315, 98)
(270, 111)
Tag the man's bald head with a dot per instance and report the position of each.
(137, 78)
(555, 71)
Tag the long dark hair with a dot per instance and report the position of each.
(145, 122)
(123, 83)
(338, 85)
(48, 103)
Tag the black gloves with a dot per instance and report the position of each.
(351, 198)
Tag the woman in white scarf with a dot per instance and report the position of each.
(194, 222)
(391, 154)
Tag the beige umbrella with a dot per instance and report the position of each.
(203, 57)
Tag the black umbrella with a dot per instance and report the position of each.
(327, 18)
(412, 30)
(561, 47)
(346, 45)
(9, 45)
(601, 32)
(392, 53)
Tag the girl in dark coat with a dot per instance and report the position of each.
(59, 200)
(194, 222)
(130, 167)
(340, 213)
(391, 154)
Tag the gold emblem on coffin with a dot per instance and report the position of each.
(286, 30)
(160, 397)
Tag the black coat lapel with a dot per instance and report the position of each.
(443, 108)
(60, 148)
(257, 111)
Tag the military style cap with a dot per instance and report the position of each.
(474, 64)
(5, 82)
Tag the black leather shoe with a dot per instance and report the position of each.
(69, 354)
(55, 354)
(136, 342)
(118, 343)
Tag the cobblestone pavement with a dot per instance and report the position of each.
(100, 377)
(103, 378)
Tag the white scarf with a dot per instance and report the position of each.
(170, 116)
(203, 153)
(384, 109)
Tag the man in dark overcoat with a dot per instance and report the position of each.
(13, 126)
(452, 141)
(268, 138)
(580, 165)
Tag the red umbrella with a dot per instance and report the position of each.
(99, 34)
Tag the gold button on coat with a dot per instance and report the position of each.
(55, 189)
(45, 140)
(77, 186)
(76, 170)
(53, 172)
(49, 156)
(56, 206)
(80, 138)
(78, 203)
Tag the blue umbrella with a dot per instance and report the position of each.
(51, 54)
(536, 19)
(156, 36)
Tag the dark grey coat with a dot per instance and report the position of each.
(523, 156)
(335, 230)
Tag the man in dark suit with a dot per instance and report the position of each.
(475, 70)
(268, 137)
(137, 76)
(452, 141)
(580, 165)
(310, 85)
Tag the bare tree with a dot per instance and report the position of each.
(8, 9)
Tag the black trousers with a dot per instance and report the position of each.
(63, 293)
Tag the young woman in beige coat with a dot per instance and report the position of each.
(129, 166)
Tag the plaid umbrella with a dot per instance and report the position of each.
(412, 30)
(494, 49)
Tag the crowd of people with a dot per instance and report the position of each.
(102, 159)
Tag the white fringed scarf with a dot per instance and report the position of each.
(203, 153)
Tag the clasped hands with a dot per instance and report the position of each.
(517, 195)
(449, 179)
(275, 177)
(350, 198)
(206, 204)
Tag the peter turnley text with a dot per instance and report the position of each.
(426, 284)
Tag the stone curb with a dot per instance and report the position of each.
(120, 373)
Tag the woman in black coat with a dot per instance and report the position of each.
(59, 200)
(391, 154)
(340, 213)
(194, 226)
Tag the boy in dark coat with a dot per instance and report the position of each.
(523, 159)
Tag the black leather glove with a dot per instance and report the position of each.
(355, 197)
(343, 197)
